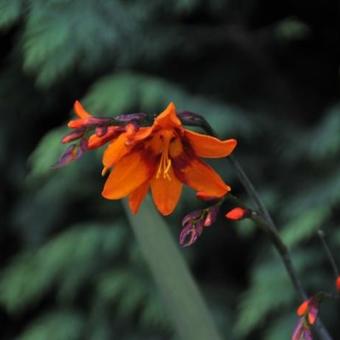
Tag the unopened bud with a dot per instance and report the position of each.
(72, 153)
(190, 233)
(211, 215)
(76, 134)
(236, 214)
(126, 118)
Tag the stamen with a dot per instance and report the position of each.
(104, 171)
(165, 162)
(164, 166)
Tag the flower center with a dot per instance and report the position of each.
(164, 166)
(165, 162)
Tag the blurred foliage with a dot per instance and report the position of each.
(264, 73)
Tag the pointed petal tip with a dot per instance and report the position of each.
(171, 106)
(79, 110)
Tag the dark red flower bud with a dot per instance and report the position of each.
(126, 118)
(190, 233)
(211, 215)
(76, 134)
(96, 141)
(193, 224)
(72, 153)
(101, 131)
(302, 331)
(236, 214)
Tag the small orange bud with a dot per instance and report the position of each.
(303, 308)
(236, 214)
(338, 284)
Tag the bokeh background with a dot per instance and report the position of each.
(264, 72)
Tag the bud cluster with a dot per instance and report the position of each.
(194, 223)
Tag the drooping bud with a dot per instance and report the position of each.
(193, 224)
(309, 309)
(191, 217)
(72, 153)
(190, 233)
(337, 284)
(302, 331)
(76, 134)
(308, 312)
(236, 214)
(211, 215)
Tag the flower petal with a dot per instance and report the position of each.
(199, 176)
(168, 118)
(166, 192)
(137, 196)
(208, 146)
(128, 174)
(80, 111)
(117, 149)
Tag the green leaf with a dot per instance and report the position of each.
(10, 12)
(183, 300)
(270, 289)
(57, 325)
(29, 277)
(47, 152)
(305, 226)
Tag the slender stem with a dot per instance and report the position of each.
(266, 222)
(282, 250)
(251, 191)
(329, 253)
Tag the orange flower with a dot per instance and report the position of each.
(163, 157)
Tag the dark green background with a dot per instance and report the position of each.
(264, 72)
